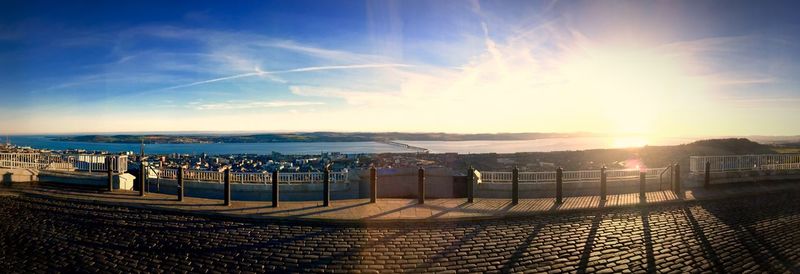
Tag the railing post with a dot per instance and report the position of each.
(110, 178)
(421, 185)
(642, 180)
(603, 186)
(275, 189)
(559, 185)
(143, 177)
(707, 181)
(326, 187)
(470, 184)
(180, 183)
(373, 184)
(677, 187)
(515, 186)
(227, 178)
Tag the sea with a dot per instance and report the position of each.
(461, 147)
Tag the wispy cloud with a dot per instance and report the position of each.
(259, 72)
(243, 75)
(248, 104)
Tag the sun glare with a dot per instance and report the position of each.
(629, 87)
(626, 142)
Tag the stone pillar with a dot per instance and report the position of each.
(326, 187)
(142, 177)
(275, 183)
(373, 184)
(559, 185)
(707, 180)
(515, 186)
(421, 185)
(227, 179)
(603, 186)
(110, 175)
(470, 184)
(642, 181)
(677, 187)
(181, 185)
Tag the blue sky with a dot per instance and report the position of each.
(662, 68)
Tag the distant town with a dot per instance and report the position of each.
(310, 137)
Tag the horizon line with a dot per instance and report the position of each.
(246, 132)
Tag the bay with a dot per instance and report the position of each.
(462, 147)
(43, 142)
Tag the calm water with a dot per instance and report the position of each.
(239, 148)
(544, 145)
(540, 145)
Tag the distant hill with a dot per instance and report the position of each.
(310, 137)
(728, 146)
(649, 156)
(663, 155)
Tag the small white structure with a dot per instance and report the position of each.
(124, 181)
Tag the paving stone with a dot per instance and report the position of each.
(45, 235)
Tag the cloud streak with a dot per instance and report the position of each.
(259, 72)
(234, 105)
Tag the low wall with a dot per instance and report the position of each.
(256, 192)
(717, 178)
(543, 190)
(18, 175)
(74, 177)
(392, 183)
(403, 183)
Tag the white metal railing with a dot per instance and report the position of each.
(254, 177)
(744, 162)
(581, 175)
(20, 160)
(251, 177)
(203, 175)
(537, 177)
(87, 162)
(612, 175)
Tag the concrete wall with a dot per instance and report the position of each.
(494, 190)
(256, 192)
(402, 183)
(74, 178)
(62, 177)
(744, 176)
(18, 175)
(392, 183)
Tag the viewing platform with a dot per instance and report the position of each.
(392, 194)
(393, 210)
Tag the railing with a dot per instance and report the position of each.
(20, 160)
(661, 176)
(612, 175)
(744, 162)
(203, 175)
(86, 162)
(253, 177)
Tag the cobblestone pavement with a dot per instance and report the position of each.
(756, 233)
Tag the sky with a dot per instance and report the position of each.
(656, 68)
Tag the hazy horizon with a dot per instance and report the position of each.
(631, 138)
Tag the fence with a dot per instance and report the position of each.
(744, 162)
(253, 177)
(20, 160)
(85, 162)
(612, 175)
